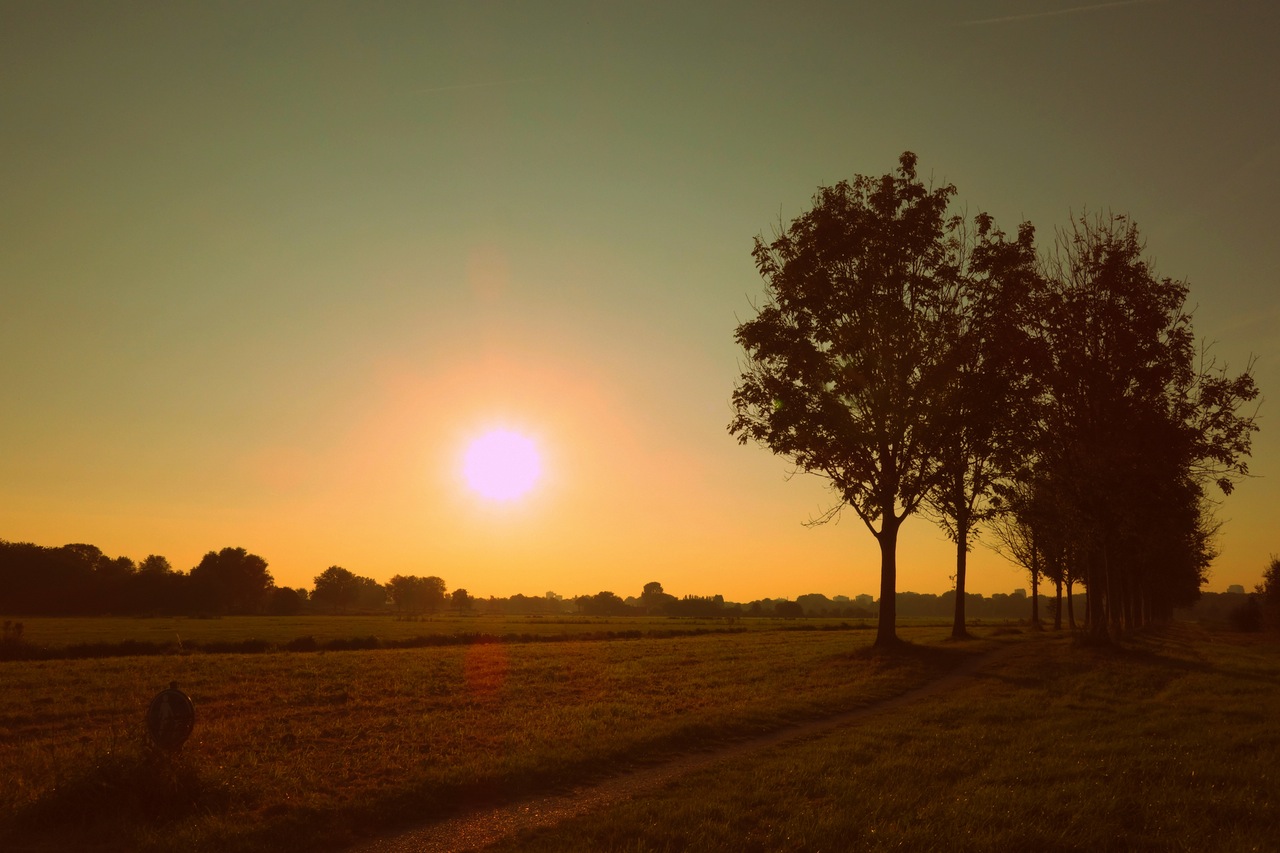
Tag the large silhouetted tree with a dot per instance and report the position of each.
(850, 360)
(992, 409)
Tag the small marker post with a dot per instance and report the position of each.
(170, 718)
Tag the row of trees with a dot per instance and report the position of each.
(81, 580)
(340, 589)
(923, 362)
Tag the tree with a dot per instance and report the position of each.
(993, 405)
(786, 609)
(232, 581)
(433, 589)
(1139, 428)
(87, 555)
(416, 595)
(154, 564)
(850, 362)
(336, 588)
(1038, 533)
(1269, 593)
(461, 600)
(655, 601)
(38, 580)
(370, 595)
(602, 604)
(81, 579)
(285, 601)
(157, 588)
(401, 589)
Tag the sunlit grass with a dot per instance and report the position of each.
(1169, 744)
(174, 631)
(301, 750)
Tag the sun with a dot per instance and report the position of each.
(502, 465)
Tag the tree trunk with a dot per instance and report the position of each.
(1057, 610)
(958, 631)
(1035, 590)
(1116, 599)
(1131, 618)
(1100, 602)
(886, 636)
(1086, 580)
(1071, 604)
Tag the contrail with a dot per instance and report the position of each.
(460, 86)
(1054, 13)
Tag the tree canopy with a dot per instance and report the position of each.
(915, 360)
(336, 588)
(993, 405)
(232, 581)
(416, 594)
(850, 361)
(1140, 421)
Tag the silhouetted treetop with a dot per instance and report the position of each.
(232, 581)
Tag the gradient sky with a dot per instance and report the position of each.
(265, 269)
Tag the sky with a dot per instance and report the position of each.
(268, 269)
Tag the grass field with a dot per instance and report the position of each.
(296, 751)
(1168, 744)
(178, 632)
(1059, 747)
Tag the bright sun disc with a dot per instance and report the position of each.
(502, 465)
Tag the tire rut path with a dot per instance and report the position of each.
(488, 825)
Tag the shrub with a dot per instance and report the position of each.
(1246, 617)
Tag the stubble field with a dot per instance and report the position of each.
(1169, 743)
(305, 750)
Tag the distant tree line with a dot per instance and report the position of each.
(925, 362)
(80, 580)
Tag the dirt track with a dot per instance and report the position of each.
(487, 826)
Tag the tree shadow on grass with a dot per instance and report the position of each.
(1150, 649)
(935, 658)
(109, 793)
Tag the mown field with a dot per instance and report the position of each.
(179, 631)
(1170, 743)
(45, 638)
(1167, 744)
(303, 751)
